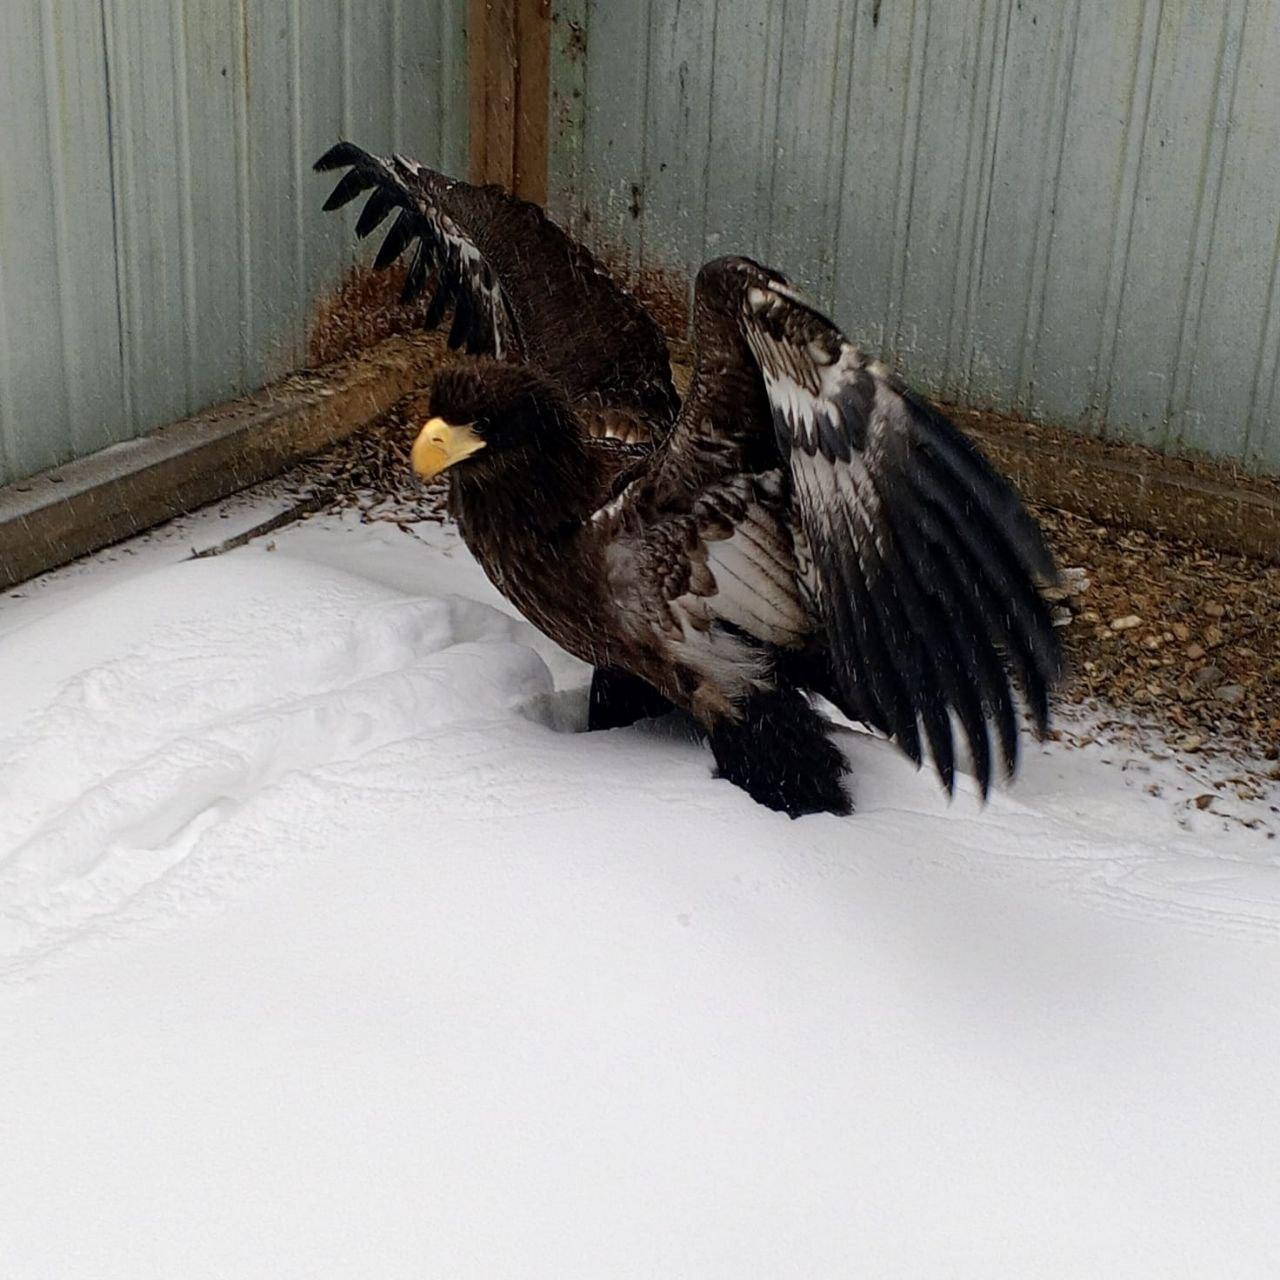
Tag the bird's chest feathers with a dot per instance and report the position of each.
(542, 572)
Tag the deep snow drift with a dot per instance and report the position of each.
(327, 948)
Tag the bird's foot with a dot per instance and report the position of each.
(780, 755)
(619, 699)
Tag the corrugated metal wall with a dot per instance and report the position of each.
(1065, 208)
(161, 238)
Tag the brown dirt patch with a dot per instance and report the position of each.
(363, 310)
(1180, 635)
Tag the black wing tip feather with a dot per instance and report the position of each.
(433, 261)
(350, 185)
(965, 462)
(342, 155)
(999, 524)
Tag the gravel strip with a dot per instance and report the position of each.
(1178, 636)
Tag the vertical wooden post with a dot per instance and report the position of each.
(492, 54)
(533, 98)
(510, 53)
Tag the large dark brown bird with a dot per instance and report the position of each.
(802, 524)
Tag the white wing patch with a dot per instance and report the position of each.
(803, 392)
(837, 491)
(797, 405)
(479, 280)
(608, 515)
(398, 182)
(755, 583)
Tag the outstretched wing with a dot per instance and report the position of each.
(443, 251)
(917, 559)
(516, 283)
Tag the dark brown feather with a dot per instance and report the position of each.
(527, 279)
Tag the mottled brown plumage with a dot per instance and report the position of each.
(801, 524)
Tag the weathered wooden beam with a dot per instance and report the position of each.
(492, 38)
(510, 55)
(58, 515)
(533, 99)
(478, 85)
(1193, 499)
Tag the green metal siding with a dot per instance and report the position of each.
(1068, 209)
(161, 239)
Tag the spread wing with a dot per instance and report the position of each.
(917, 561)
(517, 285)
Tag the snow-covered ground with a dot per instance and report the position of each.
(329, 948)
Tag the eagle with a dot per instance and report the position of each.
(801, 528)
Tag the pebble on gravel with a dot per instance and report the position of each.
(1208, 603)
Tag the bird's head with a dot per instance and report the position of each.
(487, 417)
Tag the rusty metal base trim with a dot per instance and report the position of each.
(61, 514)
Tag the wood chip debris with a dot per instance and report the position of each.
(369, 473)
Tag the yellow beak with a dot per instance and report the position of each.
(439, 445)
